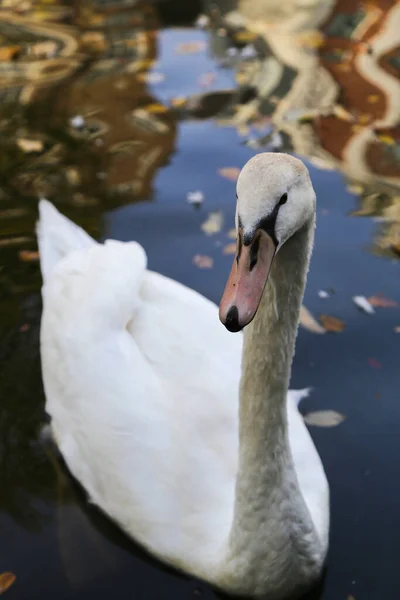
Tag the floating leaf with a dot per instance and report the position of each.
(6, 580)
(323, 294)
(382, 302)
(202, 261)
(307, 321)
(375, 364)
(195, 198)
(206, 79)
(190, 47)
(178, 101)
(324, 418)
(229, 248)
(214, 223)
(232, 234)
(27, 145)
(28, 255)
(362, 303)
(231, 173)
(397, 329)
(332, 323)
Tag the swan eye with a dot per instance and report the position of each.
(283, 200)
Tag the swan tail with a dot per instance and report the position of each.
(57, 237)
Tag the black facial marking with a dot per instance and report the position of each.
(283, 199)
(239, 247)
(254, 253)
(267, 224)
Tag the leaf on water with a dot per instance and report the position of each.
(323, 294)
(324, 418)
(29, 255)
(202, 261)
(375, 364)
(206, 79)
(382, 302)
(214, 223)
(231, 173)
(28, 146)
(397, 329)
(363, 304)
(195, 198)
(307, 321)
(332, 323)
(232, 234)
(229, 248)
(190, 47)
(6, 580)
(178, 101)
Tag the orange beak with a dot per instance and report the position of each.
(247, 280)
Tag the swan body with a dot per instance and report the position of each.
(143, 386)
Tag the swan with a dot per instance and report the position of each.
(181, 432)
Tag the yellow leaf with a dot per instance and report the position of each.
(355, 189)
(232, 234)
(229, 248)
(156, 108)
(203, 261)
(179, 101)
(190, 47)
(6, 580)
(213, 224)
(332, 323)
(231, 173)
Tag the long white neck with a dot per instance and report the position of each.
(271, 522)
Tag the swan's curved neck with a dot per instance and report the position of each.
(270, 515)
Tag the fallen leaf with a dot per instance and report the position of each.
(214, 223)
(307, 321)
(229, 248)
(363, 304)
(190, 47)
(231, 173)
(332, 323)
(324, 418)
(232, 234)
(28, 255)
(6, 580)
(195, 198)
(382, 302)
(28, 146)
(203, 262)
(355, 189)
(323, 294)
(397, 329)
(206, 79)
(375, 364)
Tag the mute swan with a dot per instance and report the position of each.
(177, 429)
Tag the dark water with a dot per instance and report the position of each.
(163, 109)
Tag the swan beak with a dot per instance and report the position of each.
(247, 280)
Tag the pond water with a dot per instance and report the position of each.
(116, 114)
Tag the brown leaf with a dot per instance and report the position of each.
(324, 418)
(231, 173)
(190, 47)
(6, 580)
(28, 146)
(203, 262)
(232, 234)
(178, 101)
(307, 321)
(397, 329)
(229, 248)
(332, 323)
(382, 302)
(28, 255)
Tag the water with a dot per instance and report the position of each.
(154, 130)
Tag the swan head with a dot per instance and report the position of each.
(275, 198)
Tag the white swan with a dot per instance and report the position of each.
(142, 386)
